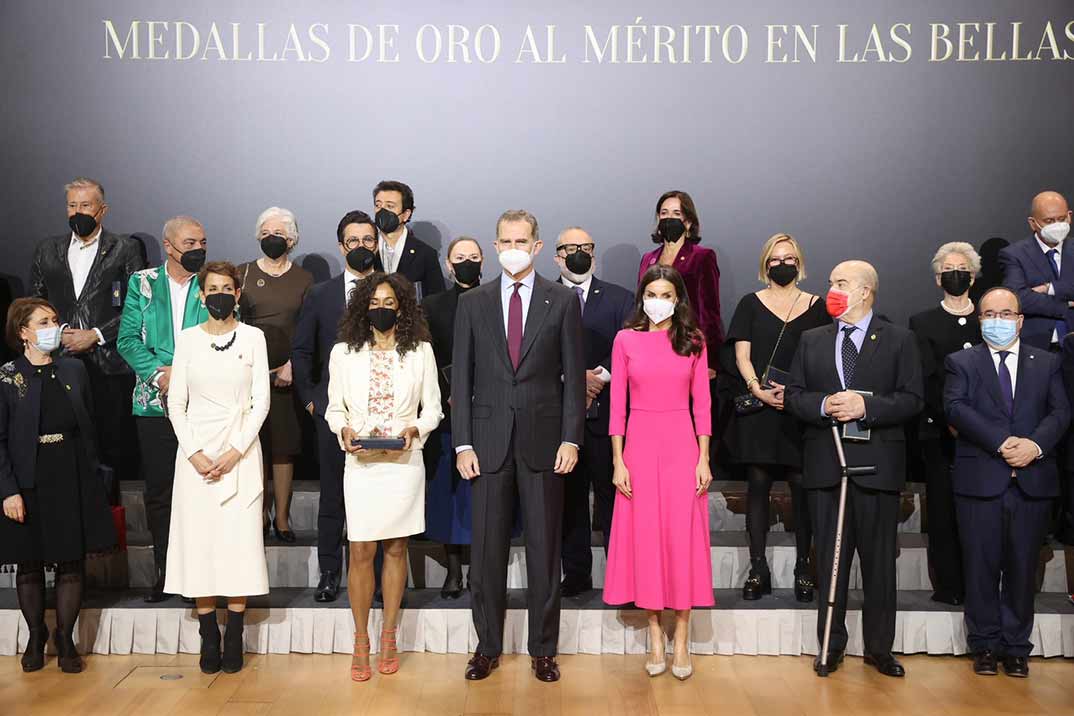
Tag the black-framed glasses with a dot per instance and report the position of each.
(1005, 315)
(570, 249)
(370, 242)
(787, 260)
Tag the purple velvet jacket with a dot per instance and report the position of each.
(701, 272)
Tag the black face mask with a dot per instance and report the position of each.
(669, 230)
(579, 262)
(192, 260)
(383, 319)
(220, 305)
(955, 283)
(387, 220)
(360, 259)
(274, 246)
(467, 272)
(82, 224)
(782, 274)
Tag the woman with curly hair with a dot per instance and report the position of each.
(382, 385)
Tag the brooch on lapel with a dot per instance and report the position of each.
(260, 283)
(9, 375)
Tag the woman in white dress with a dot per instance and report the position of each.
(382, 383)
(217, 400)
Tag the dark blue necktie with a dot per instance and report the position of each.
(850, 356)
(1053, 261)
(1006, 385)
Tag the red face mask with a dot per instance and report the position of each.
(837, 302)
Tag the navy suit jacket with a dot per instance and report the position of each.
(974, 407)
(606, 310)
(1026, 266)
(315, 334)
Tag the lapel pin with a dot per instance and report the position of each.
(546, 301)
(260, 283)
(872, 337)
(412, 251)
(68, 387)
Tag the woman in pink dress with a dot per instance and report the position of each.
(658, 556)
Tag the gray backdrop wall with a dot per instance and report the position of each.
(877, 160)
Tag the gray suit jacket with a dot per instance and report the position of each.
(543, 402)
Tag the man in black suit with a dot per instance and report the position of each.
(1007, 401)
(315, 334)
(605, 308)
(863, 371)
(84, 274)
(400, 250)
(518, 415)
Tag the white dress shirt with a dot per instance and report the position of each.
(1059, 267)
(80, 257)
(389, 255)
(350, 280)
(1012, 364)
(178, 292)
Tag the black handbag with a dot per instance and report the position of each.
(747, 403)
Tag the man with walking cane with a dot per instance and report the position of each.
(863, 375)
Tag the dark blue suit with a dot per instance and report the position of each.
(607, 308)
(1002, 512)
(1025, 265)
(315, 334)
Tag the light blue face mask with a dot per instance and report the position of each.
(999, 332)
(48, 339)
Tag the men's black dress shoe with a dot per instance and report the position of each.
(546, 669)
(886, 664)
(1016, 666)
(480, 666)
(575, 587)
(945, 597)
(327, 587)
(984, 663)
(835, 659)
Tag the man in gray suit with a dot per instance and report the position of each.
(518, 416)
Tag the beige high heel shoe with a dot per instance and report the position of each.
(658, 668)
(682, 673)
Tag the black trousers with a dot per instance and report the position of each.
(944, 550)
(112, 397)
(870, 527)
(540, 495)
(1001, 543)
(158, 448)
(594, 468)
(331, 516)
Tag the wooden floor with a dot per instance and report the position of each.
(431, 684)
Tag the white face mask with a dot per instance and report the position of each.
(658, 309)
(515, 261)
(1055, 233)
(48, 339)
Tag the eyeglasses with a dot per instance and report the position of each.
(370, 242)
(1005, 315)
(571, 249)
(787, 260)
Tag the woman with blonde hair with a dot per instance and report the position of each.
(760, 436)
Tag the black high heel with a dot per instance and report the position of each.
(209, 630)
(803, 581)
(283, 535)
(33, 659)
(455, 590)
(231, 659)
(759, 582)
(67, 654)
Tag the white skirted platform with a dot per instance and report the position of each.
(785, 628)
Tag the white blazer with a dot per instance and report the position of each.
(414, 383)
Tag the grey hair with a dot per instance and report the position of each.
(84, 183)
(572, 228)
(286, 215)
(957, 247)
(519, 215)
(177, 222)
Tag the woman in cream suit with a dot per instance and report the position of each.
(382, 383)
(217, 400)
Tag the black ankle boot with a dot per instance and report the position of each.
(33, 659)
(232, 659)
(759, 582)
(803, 581)
(210, 643)
(67, 655)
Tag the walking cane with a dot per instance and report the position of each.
(822, 669)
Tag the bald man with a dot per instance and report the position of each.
(865, 374)
(1040, 271)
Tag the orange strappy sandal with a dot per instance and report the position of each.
(360, 672)
(388, 665)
